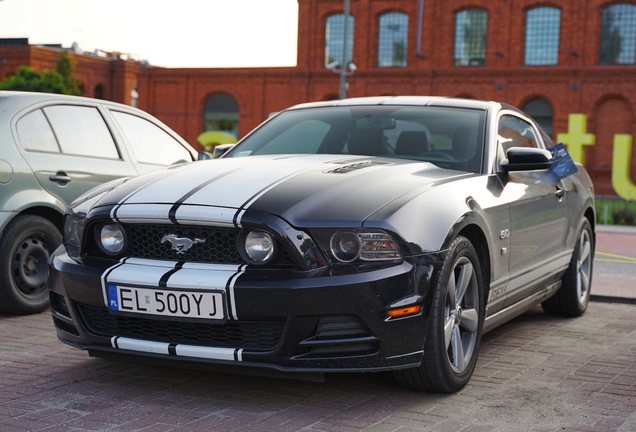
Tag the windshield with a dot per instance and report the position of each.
(448, 137)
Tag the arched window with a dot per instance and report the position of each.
(618, 34)
(542, 36)
(471, 27)
(98, 91)
(334, 39)
(541, 111)
(221, 114)
(393, 39)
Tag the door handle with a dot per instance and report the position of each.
(560, 193)
(60, 177)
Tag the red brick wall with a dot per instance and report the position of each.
(576, 85)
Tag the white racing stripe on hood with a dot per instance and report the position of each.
(177, 183)
(141, 213)
(227, 187)
(204, 215)
(240, 188)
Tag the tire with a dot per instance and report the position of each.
(572, 298)
(25, 247)
(455, 325)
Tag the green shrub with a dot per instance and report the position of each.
(615, 212)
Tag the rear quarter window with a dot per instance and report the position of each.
(151, 144)
(35, 134)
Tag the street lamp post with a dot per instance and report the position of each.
(344, 64)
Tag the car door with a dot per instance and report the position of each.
(538, 214)
(70, 149)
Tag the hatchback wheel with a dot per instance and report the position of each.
(25, 247)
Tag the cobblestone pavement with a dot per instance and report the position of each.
(536, 373)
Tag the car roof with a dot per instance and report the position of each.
(25, 98)
(404, 100)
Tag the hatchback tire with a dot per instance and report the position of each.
(25, 247)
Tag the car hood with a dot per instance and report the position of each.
(305, 190)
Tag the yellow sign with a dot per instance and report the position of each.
(577, 137)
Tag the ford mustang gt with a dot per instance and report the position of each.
(362, 235)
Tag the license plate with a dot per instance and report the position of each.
(173, 303)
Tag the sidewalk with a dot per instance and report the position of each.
(614, 275)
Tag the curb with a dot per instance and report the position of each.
(616, 229)
(612, 299)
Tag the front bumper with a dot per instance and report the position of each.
(274, 319)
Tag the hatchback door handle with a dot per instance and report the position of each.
(60, 177)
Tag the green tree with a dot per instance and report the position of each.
(65, 68)
(59, 81)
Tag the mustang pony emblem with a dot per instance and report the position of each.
(180, 244)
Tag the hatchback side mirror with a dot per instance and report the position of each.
(221, 149)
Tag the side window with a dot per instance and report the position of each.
(515, 132)
(35, 133)
(81, 131)
(150, 143)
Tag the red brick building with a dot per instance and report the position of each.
(552, 58)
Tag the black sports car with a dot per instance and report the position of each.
(371, 234)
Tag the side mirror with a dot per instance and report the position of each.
(526, 159)
(221, 149)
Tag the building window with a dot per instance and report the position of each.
(392, 40)
(98, 92)
(542, 36)
(221, 114)
(541, 111)
(618, 34)
(334, 39)
(470, 37)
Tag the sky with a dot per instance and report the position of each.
(178, 33)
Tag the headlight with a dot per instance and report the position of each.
(257, 247)
(111, 239)
(347, 246)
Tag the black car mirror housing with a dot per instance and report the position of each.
(526, 159)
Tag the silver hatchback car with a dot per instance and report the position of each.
(52, 149)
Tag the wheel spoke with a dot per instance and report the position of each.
(464, 280)
(457, 349)
(449, 325)
(583, 284)
(586, 251)
(451, 299)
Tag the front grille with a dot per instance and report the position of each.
(215, 245)
(218, 246)
(257, 335)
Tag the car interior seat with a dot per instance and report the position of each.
(464, 148)
(370, 142)
(412, 143)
